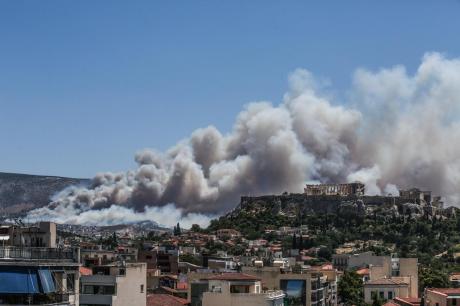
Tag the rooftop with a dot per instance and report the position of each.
(445, 291)
(408, 301)
(364, 271)
(234, 277)
(165, 300)
(387, 282)
(15, 254)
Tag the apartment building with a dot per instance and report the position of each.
(41, 235)
(165, 261)
(311, 286)
(386, 289)
(231, 289)
(115, 285)
(97, 256)
(33, 271)
(391, 277)
(351, 261)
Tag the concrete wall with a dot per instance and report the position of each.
(268, 275)
(129, 286)
(367, 259)
(409, 267)
(240, 299)
(226, 298)
(50, 237)
(433, 298)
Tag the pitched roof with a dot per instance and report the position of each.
(85, 271)
(446, 291)
(390, 303)
(165, 300)
(364, 271)
(408, 300)
(234, 276)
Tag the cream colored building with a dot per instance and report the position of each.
(115, 285)
(442, 296)
(395, 277)
(311, 287)
(386, 289)
(234, 289)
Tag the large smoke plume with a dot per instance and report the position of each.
(394, 129)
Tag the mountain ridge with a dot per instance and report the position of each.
(20, 192)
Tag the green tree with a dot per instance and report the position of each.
(377, 301)
(350, 289)
(294, 241)
(196, 228)
(177, 231)
(325, 253)
(434, 278)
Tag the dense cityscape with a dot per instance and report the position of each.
(331, 245)
(229, 153)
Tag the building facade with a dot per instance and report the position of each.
(33, 271)
(115, 285)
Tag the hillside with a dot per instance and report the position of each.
(20, 193)
(327, 225)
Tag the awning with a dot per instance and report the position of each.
(18, 281)
(46, 280)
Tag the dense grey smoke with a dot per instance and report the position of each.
(394, 130)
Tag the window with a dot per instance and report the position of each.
(95, 289)
(390, 295)
(373, 295)
(142, 288)
(239, 289)
(382, 294)
(454, 302)
(122, 272)
(71, 282)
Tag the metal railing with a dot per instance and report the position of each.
(32, 253)
(36, 299)
(272, 294)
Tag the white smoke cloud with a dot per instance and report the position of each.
(167, 216)
(396, 130)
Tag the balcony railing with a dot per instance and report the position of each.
(36, 299)
(31, 253)
(274, 294)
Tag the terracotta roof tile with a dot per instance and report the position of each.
(386, 281)
(165, 300)
(447, 291)
(364, 271)
(390, 303)
(85, 271)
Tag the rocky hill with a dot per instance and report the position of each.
(259, 213)
(20, 193)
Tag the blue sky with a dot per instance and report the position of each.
(86, 84)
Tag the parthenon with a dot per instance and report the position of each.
(349, 189)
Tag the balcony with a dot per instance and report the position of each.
(38, 254)
(36, 299)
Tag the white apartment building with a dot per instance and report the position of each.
(115, 285)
